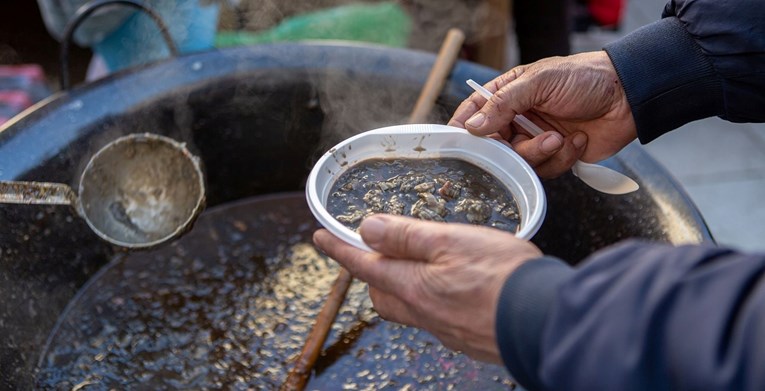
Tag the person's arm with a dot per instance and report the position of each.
(634, 316)
(637, 316)
(705, 58)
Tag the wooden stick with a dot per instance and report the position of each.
(298, 376)
(301, 372)
(447, 56)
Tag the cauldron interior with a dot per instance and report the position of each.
(259, 117)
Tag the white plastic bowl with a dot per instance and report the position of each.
(426, 141)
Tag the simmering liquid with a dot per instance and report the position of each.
(228, 306)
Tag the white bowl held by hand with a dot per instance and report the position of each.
(426, 141)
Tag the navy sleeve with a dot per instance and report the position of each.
(642, 316)
(524, 303)
(705, 58)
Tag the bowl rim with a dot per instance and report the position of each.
(341, 156)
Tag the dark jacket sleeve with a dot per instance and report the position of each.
(642, 316)
(704, 58)
(637, 316)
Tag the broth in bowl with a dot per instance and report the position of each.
(443, 189)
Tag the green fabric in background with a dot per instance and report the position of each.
(382, 23)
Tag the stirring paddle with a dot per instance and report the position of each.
(300, 373)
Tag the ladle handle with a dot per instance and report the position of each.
(35, 193)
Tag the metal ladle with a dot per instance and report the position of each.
(138, 191)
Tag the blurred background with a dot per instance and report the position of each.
(721, 165)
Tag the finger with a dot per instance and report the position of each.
(387, 274)
(500, 138)
(541, 122)
(475, 101)
(406, 237)
(391, 308)
(505, 78)
(506, 132)
(558, 165)
(573, 148)
(466, 109)
(511, 99)
(538, 150)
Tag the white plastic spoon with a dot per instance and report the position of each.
(598, 177)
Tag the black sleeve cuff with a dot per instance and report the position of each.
(667, 78)
(526, 298)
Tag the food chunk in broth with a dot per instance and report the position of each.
(448, 190)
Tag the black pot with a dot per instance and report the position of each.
(259, 117)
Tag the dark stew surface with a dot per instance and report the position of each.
(449, 190)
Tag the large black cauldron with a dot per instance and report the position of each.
(258, 117)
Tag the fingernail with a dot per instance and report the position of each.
(372, 229)
(579, 141)
(552, 143)
(476, 120)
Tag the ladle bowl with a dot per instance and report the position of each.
(138, 191)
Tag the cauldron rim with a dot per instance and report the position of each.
(162, 77)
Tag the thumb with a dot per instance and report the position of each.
(515, 97)
(405, 237)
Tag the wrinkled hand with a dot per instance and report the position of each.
(578, 99)
(444, 278)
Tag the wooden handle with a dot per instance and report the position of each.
(447, 56)
(301, 371)
(298, 376)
